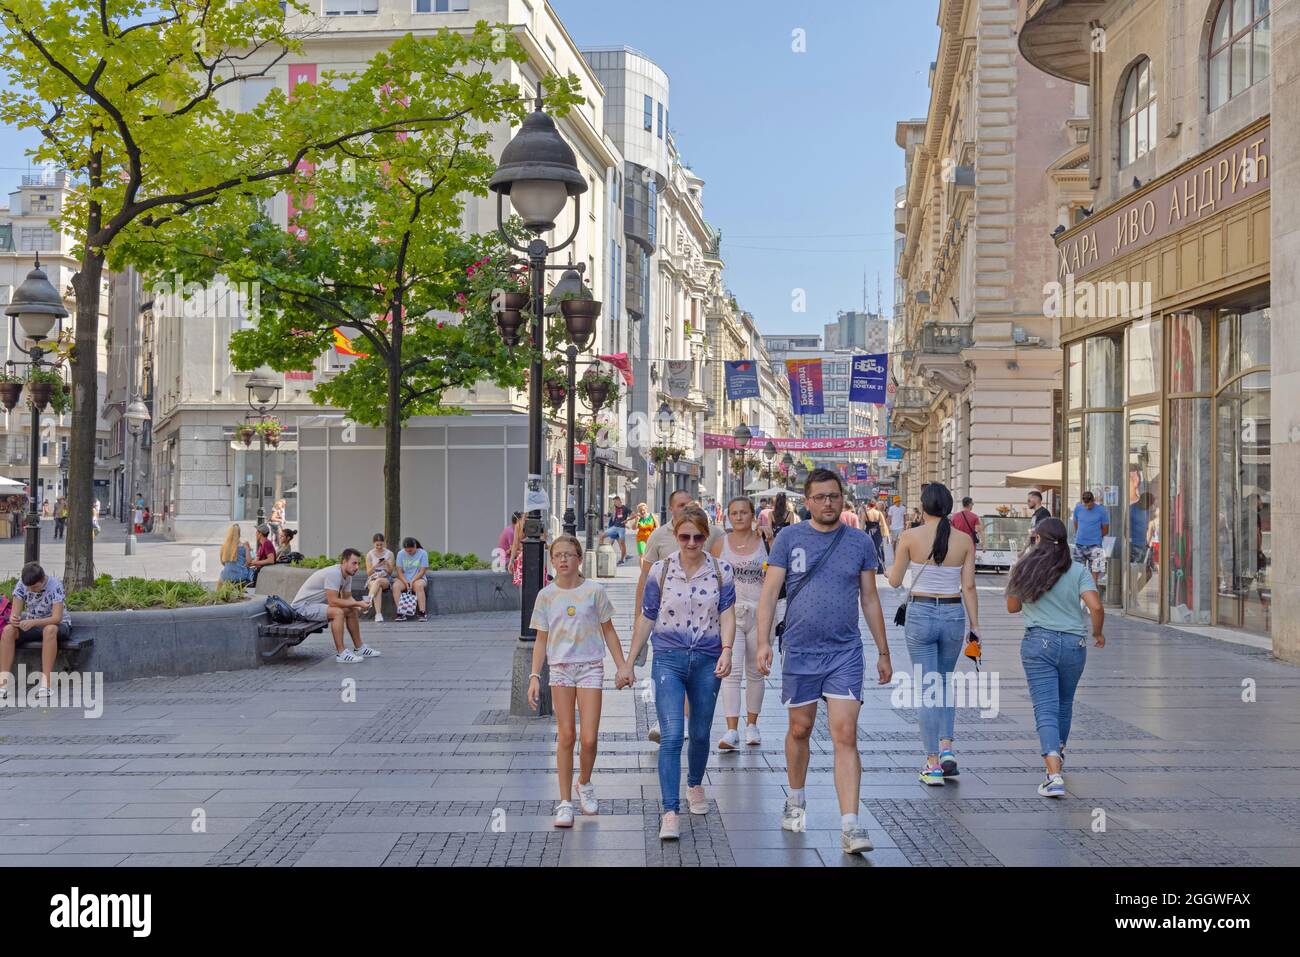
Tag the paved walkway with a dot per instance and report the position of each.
(155, 556)
(424, 767)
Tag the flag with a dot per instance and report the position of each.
(679, 373)
(805, 376)
(742, 379)
(343, 345)
(860, 472)
(620, 362)
(867, 383)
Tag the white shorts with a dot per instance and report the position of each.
(312, 611)
(578, 674)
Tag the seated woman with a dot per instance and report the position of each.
(234, 558)
(285, 554)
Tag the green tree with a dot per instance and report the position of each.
(377, 236)
(134, 97)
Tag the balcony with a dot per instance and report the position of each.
(945, 338)
(938, 361)
(1057, 37)
(911, 398)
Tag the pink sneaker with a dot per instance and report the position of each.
(699, 804)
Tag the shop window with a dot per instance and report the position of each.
(1189, 552)
(1189, 353)
(1143, 516)
(1075, 375)
(1103, 372)
(1243, 341)
(1240, 49)
(1244, 534)
(1144, 357)
(1137, 119)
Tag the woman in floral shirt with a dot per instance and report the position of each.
(688, 612)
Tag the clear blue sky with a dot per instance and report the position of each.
(796, 149)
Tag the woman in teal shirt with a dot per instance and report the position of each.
(1047, 585)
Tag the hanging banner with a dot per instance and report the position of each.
(860, 472)
(679, 377)
(620, 361)
(867, 383)
(742, 379)
(806, 397)
(862, 443)
(894, 453)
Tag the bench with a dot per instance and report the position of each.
(73, 648)
(286, 636)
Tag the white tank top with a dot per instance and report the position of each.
(747, 570)
(938, 580)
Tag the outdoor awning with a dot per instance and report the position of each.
(9, 485)
(1037, 477)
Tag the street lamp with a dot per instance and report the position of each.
(742, 435)
(596, 389)
(38, 308)
(136, 415)
(665, 426)
(580, 314)
(263, 396)
(539, 172)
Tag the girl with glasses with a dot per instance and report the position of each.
(687, 610)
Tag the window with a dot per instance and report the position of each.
(1137, 119)
(42, 203)
(1239, 50)
(648, 119)
(350, 8)
(36, 238)
(439, 6)
(660, 113)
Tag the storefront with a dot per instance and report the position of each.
(1166, 328)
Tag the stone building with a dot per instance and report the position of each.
(979, 371)
(1185, 414)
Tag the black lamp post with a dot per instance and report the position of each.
(37, 307)
(263, 397)
(596, 390)
(539, 172)
(665, 426)
(580, 315)
(742, 435)
(136, 415)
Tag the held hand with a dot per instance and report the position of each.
(724, 664)
(885, 669)
(534, 693)
(1100, 640)
(765, 659)
(626, 676)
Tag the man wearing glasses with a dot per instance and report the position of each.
(829, 570)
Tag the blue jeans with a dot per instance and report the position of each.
(934, 635)
(1053, 663)
(679, 676)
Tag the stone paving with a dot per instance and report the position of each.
(412, 760)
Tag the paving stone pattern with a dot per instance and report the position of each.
(426, 767)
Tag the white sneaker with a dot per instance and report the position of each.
(379, 615)
(752, 736)
(730, 741)
(564, 814)
(43, 693)
(695, 799)
(670, 828)
(365, 651)
(587, 799)
(346, 657)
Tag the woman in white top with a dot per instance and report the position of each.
(379, 573)
(936, 622)
(744, 550)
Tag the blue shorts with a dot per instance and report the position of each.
(615, 532)
(805, 678)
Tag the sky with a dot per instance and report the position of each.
(796, 149)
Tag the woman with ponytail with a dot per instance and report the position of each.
(935, 621)
(1047, 585)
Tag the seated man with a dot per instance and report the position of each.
(327, 596)
(265, 549)
(412, 575)
(37, 610)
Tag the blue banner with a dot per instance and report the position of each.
(868, 378)
(742, 379)
(806, 396)
(893, 452)
(860, 472)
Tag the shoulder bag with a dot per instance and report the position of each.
(790, 595)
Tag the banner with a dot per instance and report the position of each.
(860, 472)
(678, 377)
(867, 383)
(863, 443)
(805, 376)
(343, 345)
(620, 361)
(742, 379)
(894, 452)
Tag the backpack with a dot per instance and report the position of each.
(280, 611)
(717, 571)
(6, 610)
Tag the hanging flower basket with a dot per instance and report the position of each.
(246, 433)
(10, 392)
(598, 388)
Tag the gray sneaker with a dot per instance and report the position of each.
(855, 841)
(794, 817)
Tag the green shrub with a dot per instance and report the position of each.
(438, 562)
(320, 561)
(128, 594)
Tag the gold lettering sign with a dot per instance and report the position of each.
(1208, 185)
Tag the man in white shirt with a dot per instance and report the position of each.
(897, 520)
(327, 596)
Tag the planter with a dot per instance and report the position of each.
(10, 392)
(246, 436)
(580, 317)
(556, 393)
(272, 439)
(514, 301)
(509, 322)
(39, 393)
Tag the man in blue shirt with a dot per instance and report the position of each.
(821, 655)
(1091, 525)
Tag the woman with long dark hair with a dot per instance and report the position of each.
(1047, 585)
(936, 621)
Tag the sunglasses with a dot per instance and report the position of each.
(688, 539)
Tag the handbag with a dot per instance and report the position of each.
(280, 611)
(406, 603)
(790, 595)
(900, 615)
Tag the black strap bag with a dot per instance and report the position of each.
(790, 595)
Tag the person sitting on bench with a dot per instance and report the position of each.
(37, 610)
(327, 596)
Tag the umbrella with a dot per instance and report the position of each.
(9, 485)
(1040, 476)
(774, 491)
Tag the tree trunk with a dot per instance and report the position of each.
(79, 565)
(393, 440)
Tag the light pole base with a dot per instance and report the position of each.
(130, 544)
(523, 667)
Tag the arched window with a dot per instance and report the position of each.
(1239, 49)
(1137, 118)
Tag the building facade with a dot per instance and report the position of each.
(1185, 415)
(979, 370)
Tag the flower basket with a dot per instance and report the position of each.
(40, 393)
(598, 388)
(10, 392)
(246, 433)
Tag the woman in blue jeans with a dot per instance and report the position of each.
(1047, 585)
(688, 612)
(936, 621)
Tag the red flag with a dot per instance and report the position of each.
(619, 361)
